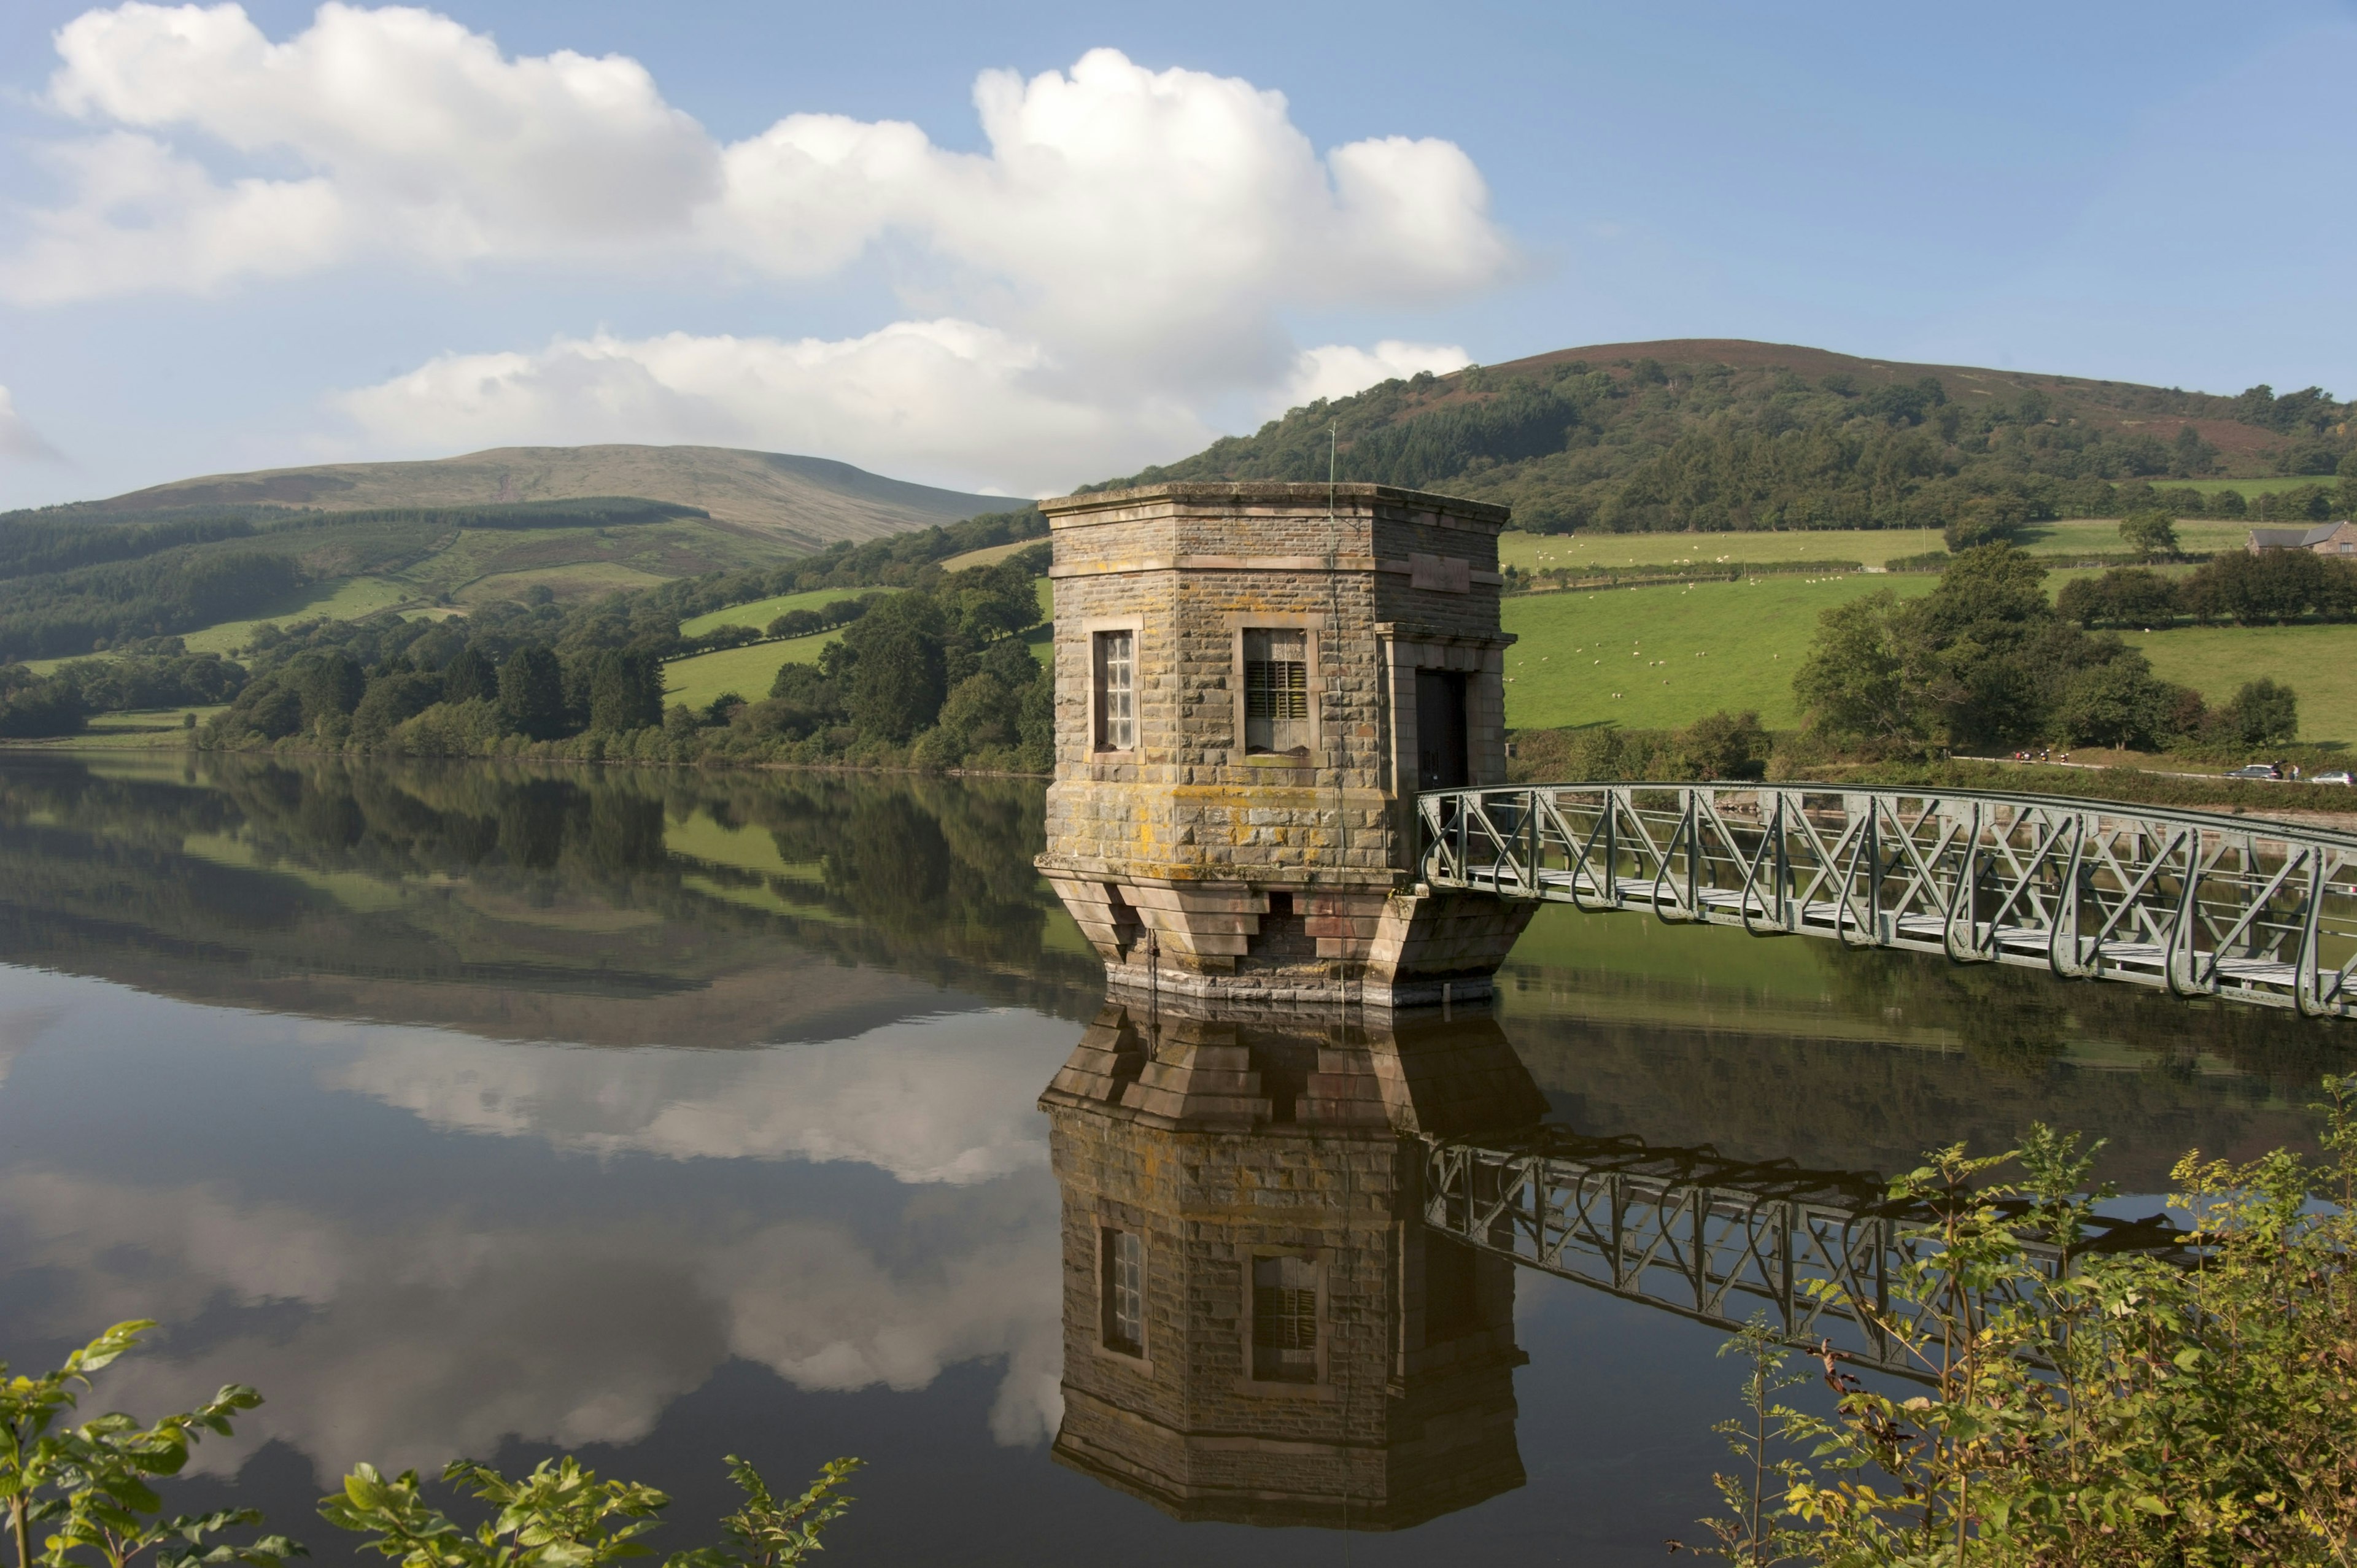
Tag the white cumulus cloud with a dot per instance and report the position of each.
(1128, 245)
(1339, 370)
(939, 399)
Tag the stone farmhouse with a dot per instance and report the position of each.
(2324, 539)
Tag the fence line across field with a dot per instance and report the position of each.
(2194, 903)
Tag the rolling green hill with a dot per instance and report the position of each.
(1713, 434)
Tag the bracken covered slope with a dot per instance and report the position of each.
(803, 501)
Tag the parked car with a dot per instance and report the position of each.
(2256, 770)
(2336, 776)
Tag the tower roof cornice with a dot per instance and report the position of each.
(1275, 494)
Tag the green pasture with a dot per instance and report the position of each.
(348, 598)
(1676, 653)
(2271, 486)
(2319, 662)
(988, 555)
(153, 729)
(761, 612)
(748, 670)
(1672, 653)
(1545, 551)
(1867, 546)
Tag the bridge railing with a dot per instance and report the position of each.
(1719, 1240)
(2195, 903)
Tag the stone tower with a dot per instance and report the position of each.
(1258, 1326)
(1253, 682)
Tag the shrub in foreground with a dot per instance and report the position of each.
(2138, 1411)
(84, 1491)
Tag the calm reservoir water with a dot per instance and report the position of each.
(469, 1111)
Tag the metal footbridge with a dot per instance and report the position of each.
(2194, 903)
(1817, 1254)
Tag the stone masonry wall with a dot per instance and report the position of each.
(1169, 850)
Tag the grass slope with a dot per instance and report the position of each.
(761, 612)
(2276, 486)
(805, 501)
(2319, 662)
(747, 672)
(1678, 653)
(1868, 547)
(346, 600)
(1673, 653)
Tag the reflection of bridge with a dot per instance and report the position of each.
(1707, 1238)
(2200, 905)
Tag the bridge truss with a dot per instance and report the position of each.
(2197, 904)
(1711, 1239)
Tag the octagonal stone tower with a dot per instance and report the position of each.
(1252, 682)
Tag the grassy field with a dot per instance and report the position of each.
(2319, 662)
(1871, 547)
(761, 612)
(1676, 653)
(157, 729)
(747, 672)
(1672, 653)
(1533, 552)
(347, 600)
(988, 555)
(2248, 487)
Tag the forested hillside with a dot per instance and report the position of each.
(74, 583)
(1726, 435)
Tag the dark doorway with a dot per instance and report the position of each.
(1441, 750)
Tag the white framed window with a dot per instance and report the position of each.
(1276, 690)
(1115, 693)
(1122, 1290)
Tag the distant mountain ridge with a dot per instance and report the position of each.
(1727, 433)
(804, 502)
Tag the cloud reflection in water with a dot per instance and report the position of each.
(431, 1325)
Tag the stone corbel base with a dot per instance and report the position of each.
(1209, 940)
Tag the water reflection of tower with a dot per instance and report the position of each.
(1258, 1326)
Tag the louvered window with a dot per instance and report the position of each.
(1123, 1253)
(1117, 690)
(1284, 1320)
(1276, 691)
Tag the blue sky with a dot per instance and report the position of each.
(1018, 248)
